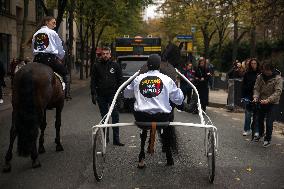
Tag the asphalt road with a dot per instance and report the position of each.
(240, 163)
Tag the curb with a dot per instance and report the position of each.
(216, 105)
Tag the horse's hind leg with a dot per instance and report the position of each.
(143, 137)
(167, 140)
(41, 148)
(8, 157)
(59, 147)
(34, 156)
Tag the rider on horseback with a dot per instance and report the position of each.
(47, 47)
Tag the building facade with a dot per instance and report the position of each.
(11, 21)
(11, 24)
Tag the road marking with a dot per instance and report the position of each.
(216, 111)
(236, 119)
(226, 115)
(132, 146)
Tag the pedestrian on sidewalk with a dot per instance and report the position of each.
(202, 75)
(267, 91)
(252, 72)
(2, 81)
(106, 77)
(188, 71)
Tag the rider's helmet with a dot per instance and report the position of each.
(154, 62)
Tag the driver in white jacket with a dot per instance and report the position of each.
(153, 92)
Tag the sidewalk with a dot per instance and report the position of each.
(218, 98)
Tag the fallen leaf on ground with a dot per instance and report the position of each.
(249, 169)
(238, 179)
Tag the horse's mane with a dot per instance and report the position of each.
(172, 54)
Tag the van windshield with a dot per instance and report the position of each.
(129, 67)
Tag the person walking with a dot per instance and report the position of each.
(267, 90)
(106, 77)
(202, 75)
(247, 92)
(189, 73)
(2, 81)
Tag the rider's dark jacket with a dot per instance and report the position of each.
(106, 77)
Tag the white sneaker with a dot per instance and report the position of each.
(1, 101)
(266, 143)
(256, 134)
(246, 133)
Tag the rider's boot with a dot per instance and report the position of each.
(67, 87)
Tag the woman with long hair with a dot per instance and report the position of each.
(247, 91)
(202, 75)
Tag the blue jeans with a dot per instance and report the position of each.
(266, 111)
(248, 116)
(104, 103)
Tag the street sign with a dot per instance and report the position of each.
(184, 37)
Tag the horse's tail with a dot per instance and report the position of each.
(27, 115)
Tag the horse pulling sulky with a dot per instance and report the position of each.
(99, 137)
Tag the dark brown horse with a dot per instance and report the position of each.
(35, 89)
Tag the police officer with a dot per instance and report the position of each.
(153, 92)
(106, 77)
(47, 47)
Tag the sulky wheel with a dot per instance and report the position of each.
(99, 159)
(211, 156)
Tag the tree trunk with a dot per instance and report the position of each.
(41, 2)
(93, 51)
(87, 53)
(252, 30)
(23, 38)
(82, 47)
(236, 34)
(61, 9)
(71, 35)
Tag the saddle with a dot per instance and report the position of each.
(61, 80)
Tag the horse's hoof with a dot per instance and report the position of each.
(141, 165)
(7, 168)
(36, 164)
(170, 162)
(41, 149)
(59, 148)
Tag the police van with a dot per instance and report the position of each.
(132, 54)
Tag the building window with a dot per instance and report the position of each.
(4, 6)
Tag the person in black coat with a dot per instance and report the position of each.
(2, 81)
(106, 77)
(247, 91)
(202, 75)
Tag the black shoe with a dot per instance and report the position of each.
(187, 108)
(195, 112)
(118, 144)
(170, 161)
